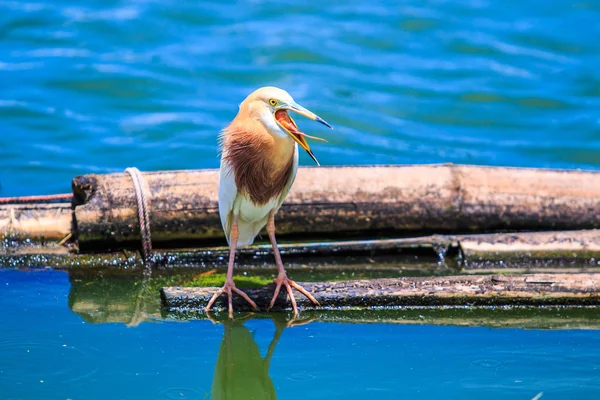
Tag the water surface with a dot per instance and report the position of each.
(48, 351)
(97, 86)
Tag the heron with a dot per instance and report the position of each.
(259, 161)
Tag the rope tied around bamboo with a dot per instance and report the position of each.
(143, 208)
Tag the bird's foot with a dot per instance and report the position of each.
(229, 288)
(283, 280)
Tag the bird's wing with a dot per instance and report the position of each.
(227, 195)
(289, 183)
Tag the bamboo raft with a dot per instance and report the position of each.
(468, 217)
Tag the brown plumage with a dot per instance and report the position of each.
(261, 163)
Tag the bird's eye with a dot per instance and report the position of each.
(273, 102)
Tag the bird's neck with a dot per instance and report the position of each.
(261, 162)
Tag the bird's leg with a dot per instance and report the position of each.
(229, 284)
(282, 278)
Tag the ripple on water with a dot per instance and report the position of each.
(25, 360)
(180, 393)
(301, 377)
(486, 363)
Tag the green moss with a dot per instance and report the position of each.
(218, 280)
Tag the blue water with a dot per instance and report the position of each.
(49, 352)
(97, 86)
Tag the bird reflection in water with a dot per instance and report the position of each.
(241, 372)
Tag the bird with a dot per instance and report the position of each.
(259, 161)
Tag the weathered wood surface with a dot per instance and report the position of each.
(471, 290)
(332, 203)
(336, 201)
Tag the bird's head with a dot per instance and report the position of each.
(270, 105)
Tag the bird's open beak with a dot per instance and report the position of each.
(289, 125)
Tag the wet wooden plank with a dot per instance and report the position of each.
(471, 290)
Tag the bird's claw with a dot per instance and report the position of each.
(282, 280)
(229, 288)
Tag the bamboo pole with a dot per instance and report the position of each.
(472, 290)
(336, 201)
(23, 226)
(364, 202)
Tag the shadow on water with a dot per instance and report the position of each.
(241, 372)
